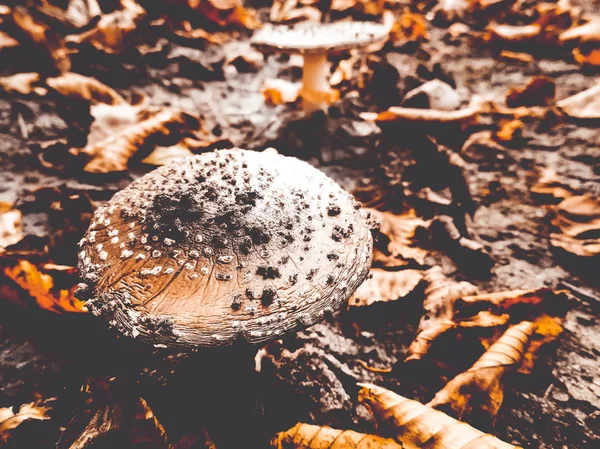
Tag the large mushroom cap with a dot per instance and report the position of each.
(315, 37)
(228, 246)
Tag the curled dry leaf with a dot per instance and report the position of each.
(187, 147)
(440, 295)
(539, 91)
(226, 12)
(116, 414)
(588, 32)
(550, 188)
(39, 283)
(417, 426)
(278, 91)
(7, 42)
(428, 116)
(578, 220)
(308, 436)
(74, 85)
(408, 26)
(587, 58)
(479, 391)
(384, 286)
(396, 244)
(10, 225)
(112, 30)
(583, 105)
(43, 36)
(120, 131)
(22, 83)
(10, 420)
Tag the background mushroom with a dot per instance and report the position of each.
(314, 41)
(228, 246)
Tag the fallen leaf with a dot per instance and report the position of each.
(428, 116)
(10, 225)
(43, 36)
(583, 105)
(22, 83)
(9, 420)
(477, 394)
(539, 91)
(192, 36)
(589, 58)
(226, 12)
(114, 413)
(384, 286)
(343, 71)
(38, 282)
(82, 87)
(408, 26)
(417, 426)
(577, 219)
(440, 295)
(550, 188)
(120, 131)
(308, 436)
(451, 10)
(516, 56)
(395, 242)
(510, 130)
(7, 41)
(589, 31)
(278, 91)
(113, 29)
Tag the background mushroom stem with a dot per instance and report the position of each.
(315, 83)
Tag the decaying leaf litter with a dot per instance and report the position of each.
(471, 189)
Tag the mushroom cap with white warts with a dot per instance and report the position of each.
(225, 247)
(314, 37)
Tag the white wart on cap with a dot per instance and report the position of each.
(314, 41)
(228, 246)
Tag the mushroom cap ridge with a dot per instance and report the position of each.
(311, 37)
(228, 246)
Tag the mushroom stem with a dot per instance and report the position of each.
(315, 83)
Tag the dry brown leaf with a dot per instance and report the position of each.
(384, 286)
(429, 116)
(193, 35)
(187, 147)
(451, 10)
(539, 91)
(513, 33)
(509, 131)
(227, 12)
(578, 220)
(112, 30)
(396, 244)
(588, 32)
(550, 188)
(583, 105)
(120, 131)
(10, 225)
(440, 295)
(78, 86)
(417, 426)
(589, 58)
(39, 284)
(43, 36)
(408, 26)
(7, 42)
(278, 91)
(9, 420)
(478, 311)
(480, 389)
(22, 83)
(343, 71)
(308, 436)
(516, 56)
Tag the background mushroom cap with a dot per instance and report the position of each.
(315, 37)
(227, 246)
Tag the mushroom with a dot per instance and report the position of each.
(314, 41)
(225, 247)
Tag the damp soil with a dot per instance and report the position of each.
(558, 405)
